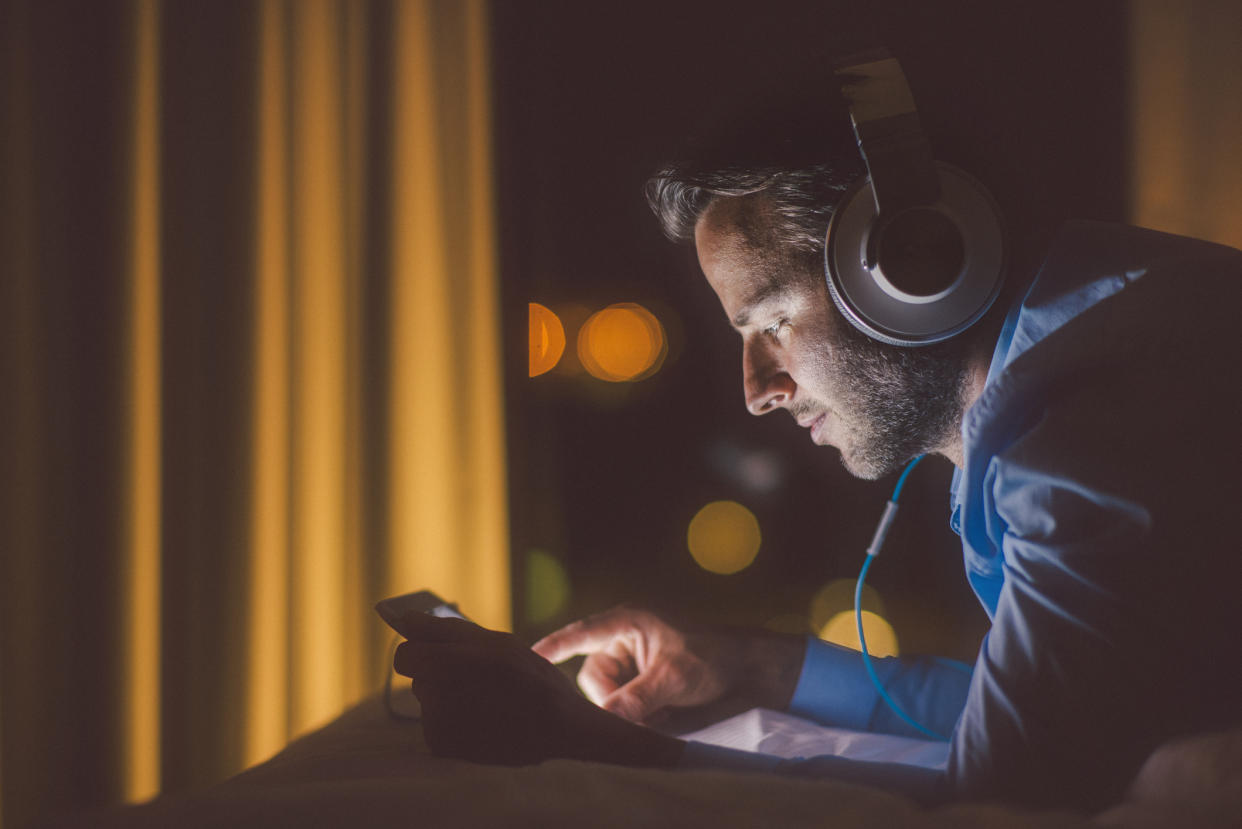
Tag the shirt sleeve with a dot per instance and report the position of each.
(834, 689)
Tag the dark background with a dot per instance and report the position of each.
(590, 98)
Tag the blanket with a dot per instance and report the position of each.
(365, 770)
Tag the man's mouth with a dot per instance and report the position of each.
(815, 425)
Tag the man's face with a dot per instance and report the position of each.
(879, 406)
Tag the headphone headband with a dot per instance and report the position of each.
(915, 251)
(886, 124)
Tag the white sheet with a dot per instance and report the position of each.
(784, 735)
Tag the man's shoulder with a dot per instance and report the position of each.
(1084, 250)
(1122, 323)
(1092, 270)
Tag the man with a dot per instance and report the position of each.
(1091, 417)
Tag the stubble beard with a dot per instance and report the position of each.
(896, 403)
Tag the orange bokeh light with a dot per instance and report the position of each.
(623, 342)
(547, 339)
(724, 537)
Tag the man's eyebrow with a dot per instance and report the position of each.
(770, 291)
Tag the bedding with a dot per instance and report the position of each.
(366, 770)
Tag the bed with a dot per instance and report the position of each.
(366, 770)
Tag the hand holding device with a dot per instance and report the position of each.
(487, 697)
(393, 611)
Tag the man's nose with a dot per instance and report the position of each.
(765, 382)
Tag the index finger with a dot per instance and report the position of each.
(585, 636)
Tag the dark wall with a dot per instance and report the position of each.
(590, 97)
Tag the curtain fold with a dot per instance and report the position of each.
(1185, 118)
(252, 373)
(141, 540)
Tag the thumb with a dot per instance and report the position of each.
(636, 700)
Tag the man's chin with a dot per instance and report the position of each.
(862, 471)
(869, 466)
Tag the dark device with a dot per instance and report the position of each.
(394, 609)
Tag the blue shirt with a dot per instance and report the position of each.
(1099, 470)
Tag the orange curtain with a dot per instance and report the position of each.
(1186, 118)
(252, 373)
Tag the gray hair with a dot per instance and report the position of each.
(794, 151)
(800, 202)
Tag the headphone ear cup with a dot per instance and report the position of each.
(876, 279)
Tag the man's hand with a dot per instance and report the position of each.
(486, 697)
(638, 664)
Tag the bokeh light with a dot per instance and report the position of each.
(842, 630)
(547, 339)
(756, 471)
(724, 537)
(837, 596)
(547, 586)
(623, 342)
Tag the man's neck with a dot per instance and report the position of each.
(1027, 258)
(976, 378)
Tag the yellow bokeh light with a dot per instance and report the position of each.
(547, 586)
(623, 342)
(842, 630)
(547, 339)
(837, 596)
(724, 537)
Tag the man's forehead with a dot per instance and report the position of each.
(747, 277)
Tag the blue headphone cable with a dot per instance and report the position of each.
(877, 541)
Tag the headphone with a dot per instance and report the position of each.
(915, 251)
